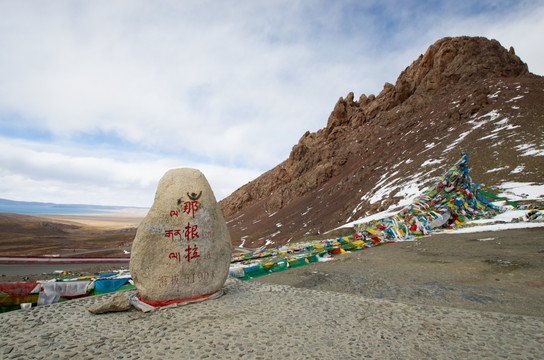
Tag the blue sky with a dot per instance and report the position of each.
(98, 99)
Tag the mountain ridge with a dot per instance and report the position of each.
(36, 207)
(464, 94)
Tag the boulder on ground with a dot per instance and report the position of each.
(182, 249)
(118, 302)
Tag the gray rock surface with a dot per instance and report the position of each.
(182, 247)
(118, 302)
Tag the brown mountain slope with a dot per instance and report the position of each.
(464, 94)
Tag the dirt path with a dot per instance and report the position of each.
(493, 271)
(29, 272)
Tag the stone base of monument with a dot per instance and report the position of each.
(147, 306)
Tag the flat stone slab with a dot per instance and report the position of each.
(118, 302)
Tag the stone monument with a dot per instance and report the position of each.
(182, 249)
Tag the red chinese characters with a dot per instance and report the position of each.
(190, 208)
(163, 281)
(189, 233)
(192, 253)
(172, 280)
(194, 278)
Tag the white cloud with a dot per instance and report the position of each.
(32, 172)
(166, 79)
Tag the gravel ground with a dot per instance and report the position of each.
(490, 271)
(257, 321)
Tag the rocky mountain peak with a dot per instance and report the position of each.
(447, 63)
(451, 61)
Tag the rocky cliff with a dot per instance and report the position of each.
(464, 94)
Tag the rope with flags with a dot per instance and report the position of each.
(450, 201)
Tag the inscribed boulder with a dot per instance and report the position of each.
(182, 247)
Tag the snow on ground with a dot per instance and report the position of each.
(530, 150)
(431, 162)
(518, 169)
(497, 169)
(515, 98)
(495, 227)
(244, 238)
(522, 191)
(476, 123)
(505, 218)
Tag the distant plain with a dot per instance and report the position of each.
(67, 234)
